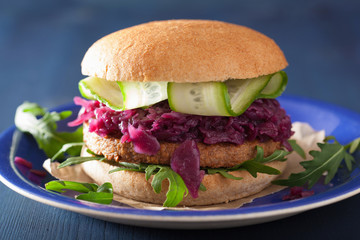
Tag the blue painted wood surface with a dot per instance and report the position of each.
(41, 47)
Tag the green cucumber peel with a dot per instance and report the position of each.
(229, 98)
(142, 94)
(107, 92)
(215, 98)
(275, 87)
(209, 98)
(123, 95)
(242, 93)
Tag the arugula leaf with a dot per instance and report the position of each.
(329, 138)
(78, 160)
(354, 145)
(278, 155)
(350, 148)
(59, 186)
(349, 161)
(97, 197)
(130, 167)
(92, 153)
(223, 172)
(103, 195)
(149, 171)
(92, 192)
(44, 129)
(254, 167)
(106, 188)
(327, 160)
(297, 148)
(259, 157)
(123, 169)
(66, 147)
(177, 188)
(202, 187)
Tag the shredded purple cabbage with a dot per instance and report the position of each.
(143, 142)
(87, 113)
(296, 193)
(185, 161)
(26, 168)
(263, 120)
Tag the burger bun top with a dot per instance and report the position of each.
(183, 51)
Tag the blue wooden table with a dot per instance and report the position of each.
(42, 44)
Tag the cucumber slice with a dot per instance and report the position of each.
(243, 92)
(107, 92)
(209, 99)
(123, 95)
(86, 93)
(275, 87)
(140, 94)
(230, 98)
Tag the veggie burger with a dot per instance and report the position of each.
(184, 112)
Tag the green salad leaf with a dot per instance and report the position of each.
(327, 160)
(353, 146)
(349, 161)
(253, 166)
(222, 172)
(32, 118)
(60, 186)
(297, 148)
(278, 155)
(92, 192)
(103, 195)
(66, 148)
(177, 188)
(78, 160)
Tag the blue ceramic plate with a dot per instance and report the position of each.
(343, 124)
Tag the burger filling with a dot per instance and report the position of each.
(264, 120)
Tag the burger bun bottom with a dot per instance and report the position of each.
(133, 185)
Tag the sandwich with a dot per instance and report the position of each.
(183, 112)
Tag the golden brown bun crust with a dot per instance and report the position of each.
(219, 189)
(214, 156)
(183, 51)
